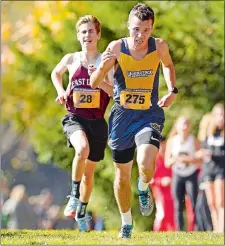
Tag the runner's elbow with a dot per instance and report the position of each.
(110, 93)
(93, 84)
(55, 75)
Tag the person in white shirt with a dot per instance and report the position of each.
(180, 154)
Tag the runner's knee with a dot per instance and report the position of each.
(83, 152)
(122, 172)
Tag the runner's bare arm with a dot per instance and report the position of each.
(168, 72)
(107, 86)
(108, 60)
(167, 63)
(107, 83)
(56, 77)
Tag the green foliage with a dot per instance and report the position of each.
(194, 32)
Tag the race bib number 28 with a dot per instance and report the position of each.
(135, 99)
(86, 98)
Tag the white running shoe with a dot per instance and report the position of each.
(71, 207)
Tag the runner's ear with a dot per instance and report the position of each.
(99, 36)
(78, 37)
(128, 25)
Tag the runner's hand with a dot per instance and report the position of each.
(91, 69)
(167, 100)
(107, 60)
(61, 98)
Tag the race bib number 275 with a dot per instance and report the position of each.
(86, 98)
(135, 99)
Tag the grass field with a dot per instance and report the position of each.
(69, 237)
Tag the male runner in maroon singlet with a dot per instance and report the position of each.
(84, 123)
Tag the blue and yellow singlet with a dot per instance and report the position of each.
(136, 82)
(136, 95)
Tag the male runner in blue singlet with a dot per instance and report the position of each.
(84, 123)
(137, 117)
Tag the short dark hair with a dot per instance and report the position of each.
(142, 12)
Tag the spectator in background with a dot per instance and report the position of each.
(52, 216)
(4, 195)
(4, 189)
(203, 217)
(44, 202)
(180, 154)
(204, 126)
(161, 187)
(18, 210)
(63, 222)
(213, 168)
(96, 222)
(205, 123)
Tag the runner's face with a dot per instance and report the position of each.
(140, 31)
(88, 36)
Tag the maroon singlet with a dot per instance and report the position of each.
(81, 79)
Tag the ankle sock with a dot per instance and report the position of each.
(81, 210)
(75, 191)
(142, 186)
(126, 218)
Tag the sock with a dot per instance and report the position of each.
(81, 210)
(126, 218)
(142, 186)
(75, 189)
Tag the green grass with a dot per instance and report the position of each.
(70, 237)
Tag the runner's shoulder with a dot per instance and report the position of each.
(67, 59)
(115, 45)
(160, 40)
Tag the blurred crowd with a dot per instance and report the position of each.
(189, 178)
(188, 185)
(37, 212)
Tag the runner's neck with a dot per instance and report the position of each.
(89, 57)
(137, 53)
